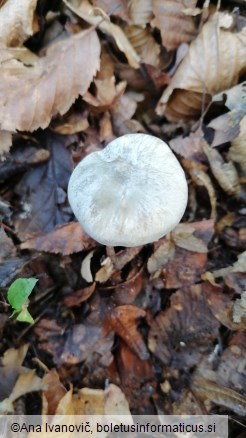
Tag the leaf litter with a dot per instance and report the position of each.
(164, 323)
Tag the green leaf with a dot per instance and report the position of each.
(19, 292)
(25, 316)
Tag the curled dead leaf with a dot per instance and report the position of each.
(84, 10)
(218, 68)
(225, 173)
(176, 27)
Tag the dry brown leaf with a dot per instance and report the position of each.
(84, 10)
(176, 27)
(180, 335)
(140, 12)
(144, 44)
(215, 61)
(65, 239)
(225, 173)
(54, 391)
(16, 21)
(5, 141)
(123, 321)
(237, 151)
(111, 7)
(183, 236)
(190, 147)
(31, 96)
(107, 93)
(161, 257)
(73, 123)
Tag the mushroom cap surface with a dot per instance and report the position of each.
(131, 193)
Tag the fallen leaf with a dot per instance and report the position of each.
(224, 172)
(86, 267)
(120, 9)
(123, 321)
(85, 339)
(184, 236)
(32, 95)
(54, 391)
(164, 253)
(137, 379)
(190, 147)
(16, 380)
(205, 389)
(65, 239)
(84, 10)
(237, 151)
(201, 179)
(42, 191)
(175, 26)
(16, 21)
(144, 44)
(140, 12)
(79, 296)
(180, 335)
(219, 68)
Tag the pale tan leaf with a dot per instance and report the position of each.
(144, 44)
(161, 257)
(238, 266)
(107, 93)
(215, 61)
(14, 356)
(16, 21)
(200, 178)
(84, 10)
(111, 7)
(176, 27)
(26, 382)
(5, 141)
(183, 236)
(225, 173)
(30, 96)
(115, 402)
(190, 147)
(237, 151)
(140, 11)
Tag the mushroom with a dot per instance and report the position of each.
(131, 193)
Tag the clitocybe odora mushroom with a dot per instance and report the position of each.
(132, 192)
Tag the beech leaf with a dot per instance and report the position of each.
(215, 61)
(31, 96)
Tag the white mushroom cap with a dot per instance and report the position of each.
(131, 193)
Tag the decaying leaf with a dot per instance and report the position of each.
(238, 266)
(176, 27)
(237, 151)
(205, 389)
(32, 95)
(161, 257)
(180, 335)
(16, 380)
(16, 21)
(190, 147)
(215, 60)
(123, 320)
(140, 12)
(120, 9)
(84, 10)
(184, 236)
(65, 239)
(225, 173)
(144, 44)
(201, 179)
(54, 391)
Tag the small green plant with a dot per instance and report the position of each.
(17, 297)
